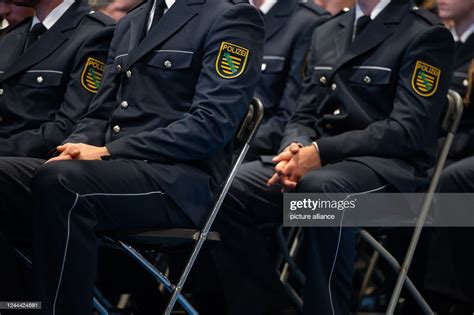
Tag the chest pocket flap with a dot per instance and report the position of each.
(370, 75)
(171, 59)
(321, 75)
(272, 64)
(41, 78)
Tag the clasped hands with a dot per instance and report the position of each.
(79, 151)
(294, 163)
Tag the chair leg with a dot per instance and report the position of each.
(295, 246)
(384, 253)
(160, 277)
(368, 274)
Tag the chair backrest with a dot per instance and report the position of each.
(453, 112)
(249, 125)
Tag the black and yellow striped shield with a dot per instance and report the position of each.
(231, 60)
(425, 79)
(92, 75)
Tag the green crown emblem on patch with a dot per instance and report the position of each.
(92, 75)
(231, 60)
(425, 79)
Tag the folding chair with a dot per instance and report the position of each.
(449, 124)
(159, 240)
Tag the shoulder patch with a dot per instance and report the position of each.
(92, 74)
(425, 79)
(309, 4)
(426, 15)
(231, 60)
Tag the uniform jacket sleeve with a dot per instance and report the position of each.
(43, 140)
(271, 131)
(300, 128)
(92, 126)
(218, 105)
(413, 124)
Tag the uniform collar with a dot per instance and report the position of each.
(376, 11)
(266, 6)
(464, 36)
(54, 15)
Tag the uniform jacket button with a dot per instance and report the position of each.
(337, 112)
(119, 68)
(129, 74)
(116, 129)
(1, 91)
(168, 64)
(367, 79)
(333, 86)
(464, 82)
(124, 104)
(264, 66)
(323, 79)
(39, 79)
(328, 126)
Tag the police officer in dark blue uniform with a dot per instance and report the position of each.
(46, 65)
(155, 144)
(288, 28)
(50, 68)
(366, 121)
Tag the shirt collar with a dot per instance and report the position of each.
(376, 11)
(4, 24)
(463, 38)
(169, 3)
(54, 15)
(266, 6)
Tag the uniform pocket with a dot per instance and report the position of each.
(171, 59)
(273, 64)
(41, 78)
(370, 75)
(321, 74)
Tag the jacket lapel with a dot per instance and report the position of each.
(49, 42)
(18, 43)
(276, 18)
(343, 37)
(176, 17)
(375, 33)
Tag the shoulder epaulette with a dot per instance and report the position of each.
(102, 18)
(25, 21)
(309, 4)
(426, 15)
(343, 11)
(137, 6)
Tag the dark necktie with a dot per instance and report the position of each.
(36, 31)
(361, 24)
(159, 11)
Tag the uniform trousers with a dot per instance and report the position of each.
(450, 272)
(67, 203)
(331, 251)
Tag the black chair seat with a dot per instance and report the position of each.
(164, 240)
